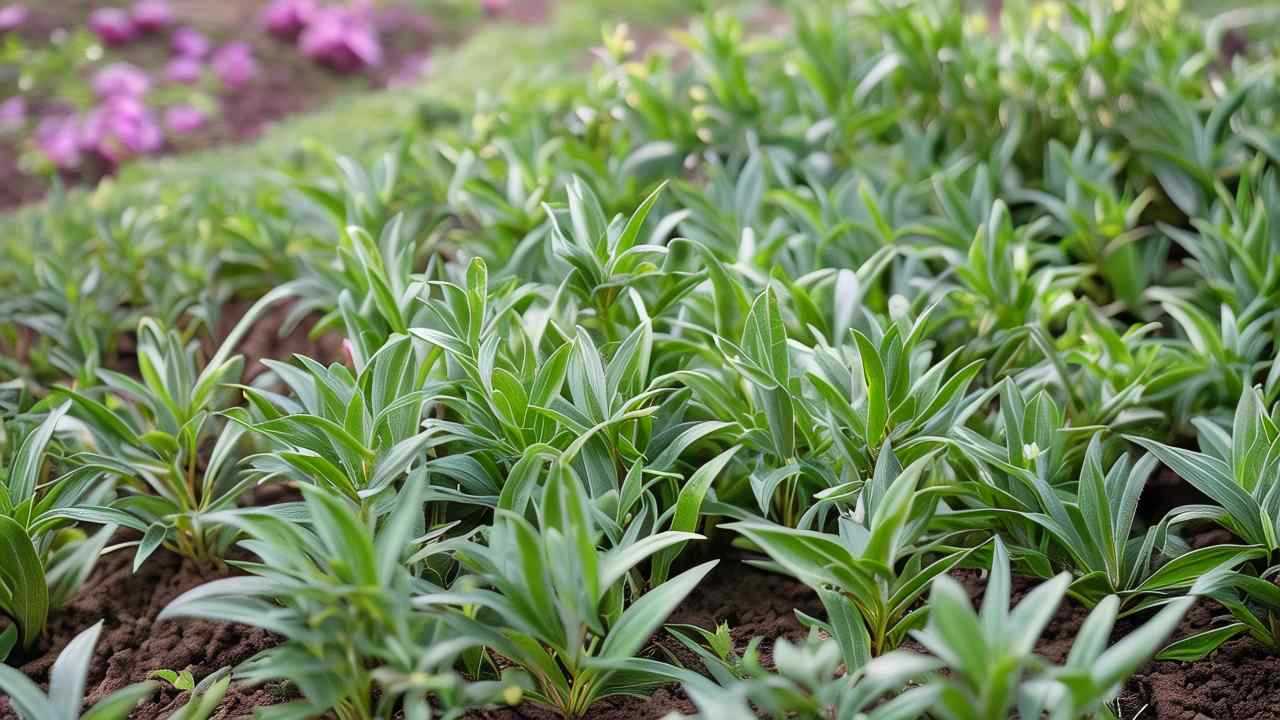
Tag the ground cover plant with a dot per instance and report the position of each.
(828, 359)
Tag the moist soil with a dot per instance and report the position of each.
(133, 643)
(1234, 683)
(270, 339)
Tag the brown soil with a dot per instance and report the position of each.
(1234, 683)
(264, 340)
(133, 643)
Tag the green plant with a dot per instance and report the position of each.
(157, 444)
(992, 669)
(1237, 471)
(46, 559)
(549, 601)
(204, 696)
(872, 573)
(806, 680)
(337, 587)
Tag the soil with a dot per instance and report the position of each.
(133, 643)
(265, 341)
(1234, 683)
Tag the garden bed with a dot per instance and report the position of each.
(898, 362)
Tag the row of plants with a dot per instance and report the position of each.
(888, 296)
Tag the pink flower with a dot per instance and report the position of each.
(152, 15)
(342, 39)
(13, 17)
(190, 43)
(235, 65)
(184, 70)
(113, 26)
(121, 127)
(286, 19)
(494, 7)
(59, 140)
(13, 113)
(183, 119)
(120, 79)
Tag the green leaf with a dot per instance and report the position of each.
(1196, 647)
(25, 473)
(688, 507)
(873, 375)
(644, 616)
(24, 594)
(1135, 649)
(70, 672)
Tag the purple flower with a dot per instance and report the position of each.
(183, 119)
(121, 127)
(184, 70)
(234, 65)
(113, 26)
(286, 19)
(59, 140)
(152, 15)
(190, 43)
(120, 79)
(13, 17)
(13, 113)
(342, 39)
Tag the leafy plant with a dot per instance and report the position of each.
(806, 680)
(872, 573)
(45, 559)
(989, 656)
(1237, 471)
(337, 588)
(157, 444)
(204, 696)
(550, 602)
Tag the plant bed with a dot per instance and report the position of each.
(878, 362)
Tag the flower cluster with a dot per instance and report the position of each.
(13, 17)
(341, 37)
(125, 120)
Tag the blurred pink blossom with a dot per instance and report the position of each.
(152, 15)
(494, 7)
(343, 39)
(235, 65)
(121, 127)
(120, 78)
(183, 119)
(190, 43)
(59, 140)
(13, 17)
(113, 26)
(286, 19)
(13, 113)
(184, 70)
